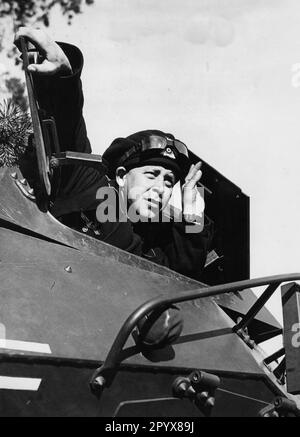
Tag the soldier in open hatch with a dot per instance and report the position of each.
(142, 169)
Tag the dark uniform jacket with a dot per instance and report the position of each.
(164, 243)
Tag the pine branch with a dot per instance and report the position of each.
(15, 129)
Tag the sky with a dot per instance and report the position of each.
(221, 75)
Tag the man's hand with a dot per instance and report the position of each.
(52, 59)
(189, 193)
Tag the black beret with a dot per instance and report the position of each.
(113, 157)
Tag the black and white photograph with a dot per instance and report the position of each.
(149, 211)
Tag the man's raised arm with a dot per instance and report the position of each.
(56, 76)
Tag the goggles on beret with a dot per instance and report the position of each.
(167, 147)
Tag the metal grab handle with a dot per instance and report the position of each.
(43, 165)
(76, 158)
(99, 379)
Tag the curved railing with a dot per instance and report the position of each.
(103, 374)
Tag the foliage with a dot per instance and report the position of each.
(34, 12)
(25, 12)
(15, 129)
(17, 90)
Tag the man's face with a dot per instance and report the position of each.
(149, 189)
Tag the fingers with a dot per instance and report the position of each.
(39, 38)
(194, 168)
(52, 58)
(26, 32)
(45, 68)
(193, 175)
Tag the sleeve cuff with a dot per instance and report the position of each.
(75, 58)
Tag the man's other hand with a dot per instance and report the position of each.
(51, 60)
(189, 193)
